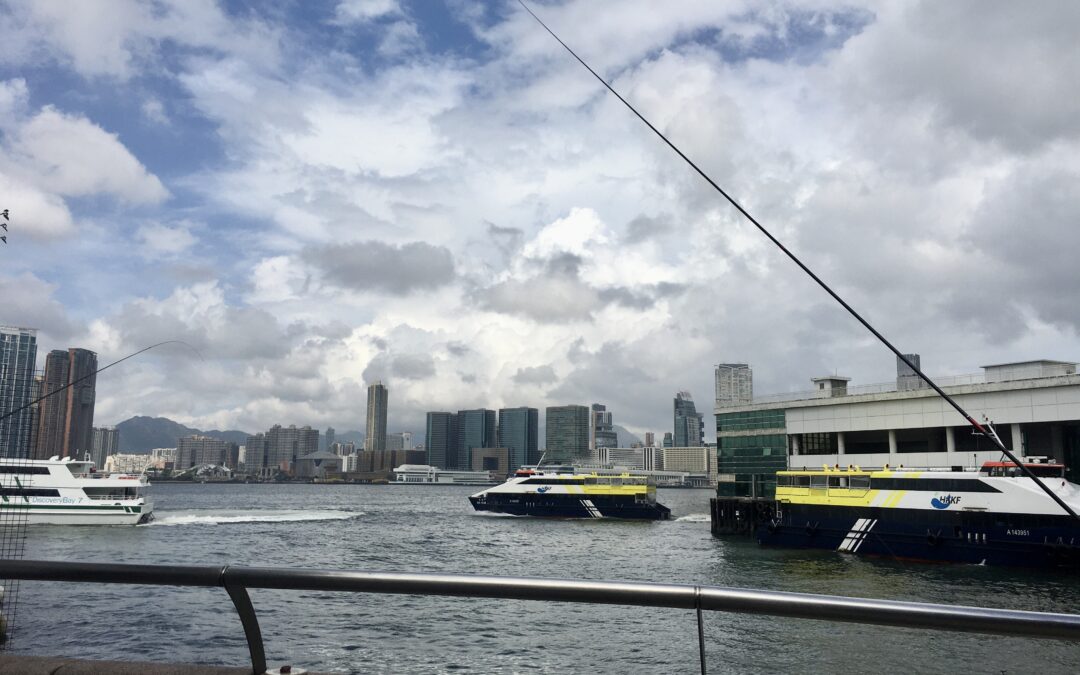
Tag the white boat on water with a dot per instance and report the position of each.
(70, 492)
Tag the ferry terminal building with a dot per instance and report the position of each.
(1034, 407)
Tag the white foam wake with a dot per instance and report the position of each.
(167, 518)
(693, 518)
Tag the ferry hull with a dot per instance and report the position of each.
(570, 507)
(91, 515)
(960, 537)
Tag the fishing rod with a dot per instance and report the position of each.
(979, 428)
(87, 377)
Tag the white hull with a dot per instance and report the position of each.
(82, 517)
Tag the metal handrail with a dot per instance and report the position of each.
(236, 581)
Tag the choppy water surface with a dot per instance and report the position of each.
(433, 529)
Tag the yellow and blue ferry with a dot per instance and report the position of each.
(994, 516)
(562, 492)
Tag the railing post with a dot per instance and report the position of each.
(249, 620)
(700, 627)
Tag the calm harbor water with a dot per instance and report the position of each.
(433, 529)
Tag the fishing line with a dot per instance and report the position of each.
(103, 368)
(925, 378)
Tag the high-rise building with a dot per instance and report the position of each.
(66, 419)
(476, 429)
(650, 439)
(442, 438)
(567, 433)
(604, 435)
(689, 423)
(278, 449)
(734, 384)
(198, 450)
(79, 425)
(331, 437)
(105, 442)
(399, 441)
(377, 401)
(669, 440)
(906, 378)
(53, 409)
(18, 355)
(519, 432)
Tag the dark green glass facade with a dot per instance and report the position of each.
(752, 446)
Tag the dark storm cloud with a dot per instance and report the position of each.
(646, 227)
(377, 266)
(507, 239)
(458, 348)
(535, 375)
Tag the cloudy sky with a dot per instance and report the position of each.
(316, 195)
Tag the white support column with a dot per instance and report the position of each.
(795, 445)
(950, 439)
(841, 449)
(1018, 440)
(892, 441)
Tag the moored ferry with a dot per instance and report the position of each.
(71, 492)
(561, 492)
(995, 516)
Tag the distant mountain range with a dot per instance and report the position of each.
(142, 434)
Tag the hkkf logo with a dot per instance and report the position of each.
(944, 502)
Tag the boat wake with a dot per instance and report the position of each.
(173, 519)
(693, 518)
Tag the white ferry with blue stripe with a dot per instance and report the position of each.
(70, 492)
(561, 492)
(995, 516)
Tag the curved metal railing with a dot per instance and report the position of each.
(236, 581)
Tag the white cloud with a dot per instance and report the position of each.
(363, 11)
(154, 111)
(162, 240)
(72, 156)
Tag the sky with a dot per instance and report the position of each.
(318, 195)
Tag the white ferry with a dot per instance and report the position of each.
(996, 516)
(70, 492)
(561, 492)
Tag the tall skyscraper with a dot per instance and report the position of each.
(377, 401)
(604, 435)
(734, 384)
(79, 425)
(331, 438)
(278, 449)
(401, 440)
(689, 423)
(105, 442)
(519, 432)
(66, 419)
(442, 437)
(567, 433)
(53, 410)
(650, 439)
(476, 429)
(18, 355)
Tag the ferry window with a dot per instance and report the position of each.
(783, 481)
(819, 481)
(25, 469)
(803, 481)
(29, 492)
(838, 481)
(860, 482)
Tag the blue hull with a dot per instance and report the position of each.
(962, 537)
(569, 506)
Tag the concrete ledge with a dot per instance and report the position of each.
(15, 664)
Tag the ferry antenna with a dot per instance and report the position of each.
(851, 310)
